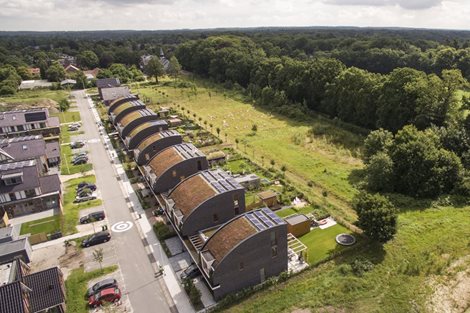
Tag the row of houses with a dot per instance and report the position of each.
(234, 248)
(29, 158)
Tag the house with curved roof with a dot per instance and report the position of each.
(203, 200)
(120, 101)
(134, 119)
(154, 144)
(125, 108)
(141, 132)
(172, 165)
(244, 252)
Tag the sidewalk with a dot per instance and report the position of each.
(175, 290)
(62, 240)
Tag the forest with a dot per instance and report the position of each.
(404, 86)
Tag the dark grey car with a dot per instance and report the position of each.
(106, 283)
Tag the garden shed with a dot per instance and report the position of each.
(297, 224)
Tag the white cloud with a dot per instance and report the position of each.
(176, 14)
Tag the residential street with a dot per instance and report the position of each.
(143, 288)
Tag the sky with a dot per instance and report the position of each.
(74, 15)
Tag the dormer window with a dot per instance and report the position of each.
(25, 147)
(12, 179)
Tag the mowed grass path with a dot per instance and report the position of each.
(35, 96)
(308, 158)
(427, 243)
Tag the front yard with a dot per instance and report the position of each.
(46, 225)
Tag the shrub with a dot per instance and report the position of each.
(163, 231)
(360, 266)
(193, 293)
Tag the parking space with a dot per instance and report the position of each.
(124, 304)
(109, 256)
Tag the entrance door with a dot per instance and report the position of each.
(262, 277)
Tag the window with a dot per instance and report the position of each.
(154, 148)
(30, 193)
(42, 125)
(199, 165)
(237, 210)
(235, 201)
(274, 251)
(241, 266)
(182, 178)
(12, 196)
(215, 217)
(20, 127)
(33, 126)
(273, 239)
(147, 157)
(173, 173)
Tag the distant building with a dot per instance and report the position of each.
(216, 157)
(172, 165)
(175, 122)
(145, 59)
(23, 190)
(30, 148)
(68, 82)
(71, 69)
(66, 60)
(117, 102)
(104, 83)
(28, 122)
(108, 95)
(22, 291)
(298, 224)
(34, 71)
(91, 74)
(154, 144)
(268, 198)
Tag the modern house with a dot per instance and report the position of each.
(135, 119)
(268, 198)
(172, 165)
(250, 181)
(154, 144)
(120, 101)
(118, 112)
(108, 95)
(144, 130)
(13, 246)
(106, 83)
(30, 148)
(24, 191)
(22, 291)
(203, 200)
(28, 122)
(244, 252)
(71, 69)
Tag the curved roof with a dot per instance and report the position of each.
(229, 236)
(120, 100)
(128, 118)
(126, 105)
(196, 189)
(155, 137)
(172, 156)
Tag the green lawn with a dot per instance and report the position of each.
(71, 209)
(321, 242)
(45, 225)
(33, 97)
(66, 166)
(315, 151)
(76, 287)
(428, 242)
(68, 117)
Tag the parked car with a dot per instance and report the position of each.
(84, 192)
(72, 128)
(101, 237)
(80, 161)
(84, 199)
(76, 144)
(94, 216)
(109, 295)
(87, 186)
(82, 184)
(104, 284)
(81, 154)
(190, 272)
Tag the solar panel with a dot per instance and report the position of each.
(264, 219)
(258, 225)
(276, 219)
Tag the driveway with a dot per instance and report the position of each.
(144, 291)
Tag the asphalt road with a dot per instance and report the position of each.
(143, 289)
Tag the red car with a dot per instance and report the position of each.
(106, 295)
